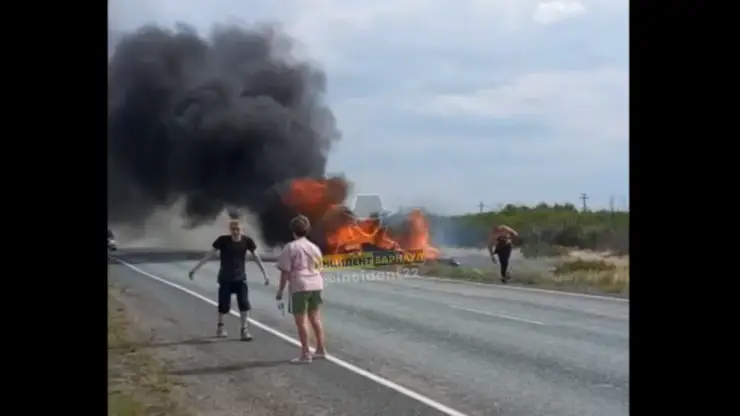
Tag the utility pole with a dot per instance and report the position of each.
(611, 211)
(584, 197)
(480, 207)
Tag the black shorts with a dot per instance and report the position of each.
(240, 289)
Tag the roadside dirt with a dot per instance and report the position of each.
(138, 383)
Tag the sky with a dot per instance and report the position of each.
(447, 104)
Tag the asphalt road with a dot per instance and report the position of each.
(481, 350)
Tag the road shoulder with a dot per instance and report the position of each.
(138, 382)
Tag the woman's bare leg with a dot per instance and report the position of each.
(300, 323)
(314, 317)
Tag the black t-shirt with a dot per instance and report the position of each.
(233, 256)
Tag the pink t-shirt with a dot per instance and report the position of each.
(302, 260)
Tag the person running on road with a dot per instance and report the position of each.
(500, 243)
(300, 266)
(232, 277)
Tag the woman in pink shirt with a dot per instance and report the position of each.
(300, 266)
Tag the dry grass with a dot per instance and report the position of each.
(576, 275)
(138, 384)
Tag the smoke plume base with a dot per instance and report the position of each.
(167, 229)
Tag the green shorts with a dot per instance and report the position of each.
(302, 302)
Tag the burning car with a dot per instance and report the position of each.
(338, 231)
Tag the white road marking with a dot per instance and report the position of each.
(344, 364)
(498, 315)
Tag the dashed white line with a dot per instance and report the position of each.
(497, 315)
(344, 364)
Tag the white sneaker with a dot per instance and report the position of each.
(221, 331)
(301, 360)
(245, 335)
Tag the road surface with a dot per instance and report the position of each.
(480, 350)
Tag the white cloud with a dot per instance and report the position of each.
(584, 105)
(554, 11)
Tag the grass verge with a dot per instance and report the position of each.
(138, 384)
(574, 276)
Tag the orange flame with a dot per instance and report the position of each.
(321, 200)
(418, 237)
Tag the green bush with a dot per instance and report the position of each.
(541, 249)
(576, 266)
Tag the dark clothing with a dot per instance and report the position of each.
(233, 255)
(504, 252)
(238, 288)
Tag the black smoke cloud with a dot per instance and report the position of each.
(216, 122)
